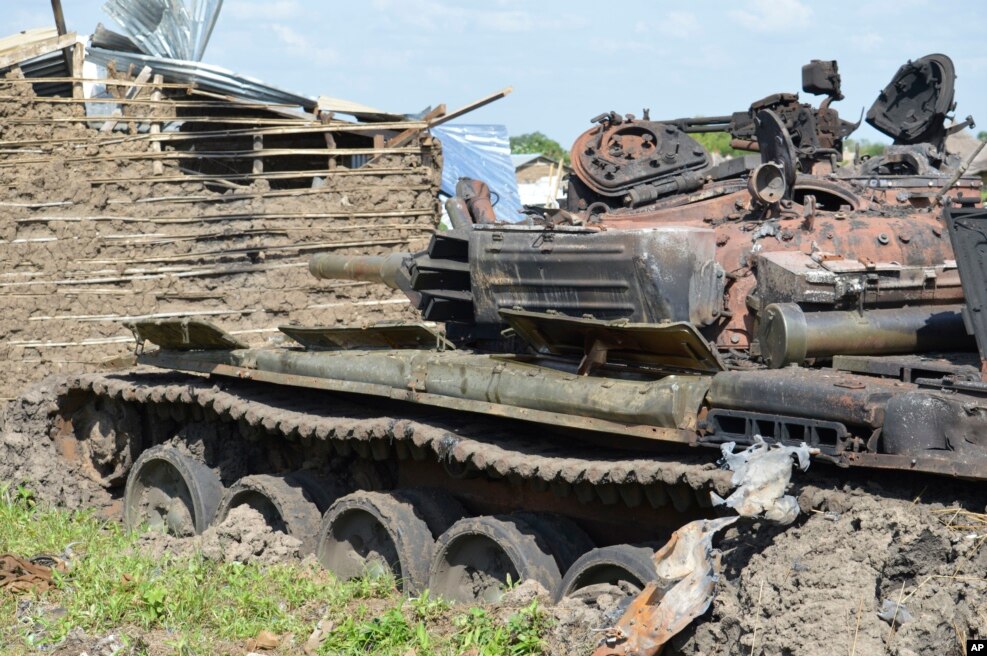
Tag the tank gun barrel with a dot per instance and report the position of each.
(703, 123)
(369, 268)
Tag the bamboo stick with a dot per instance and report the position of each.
(300, 248)
(222, 154)
(223, 217)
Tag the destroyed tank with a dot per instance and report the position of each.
(557, 413)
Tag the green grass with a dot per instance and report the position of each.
(205, 607)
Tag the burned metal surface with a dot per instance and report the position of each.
(652, 619)
(788, 335)
(393, 336)
(184, 334)
(673, 311)
(665, 273)
(662, 410)
(660, 347)
(968, 233)
(637, 160)
(913, 107)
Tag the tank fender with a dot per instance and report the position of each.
(918, 422)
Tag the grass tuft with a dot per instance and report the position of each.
(189, 605)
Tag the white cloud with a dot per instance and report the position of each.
(680, 24)
(290, 37)
(261, 10)
(610, 46)
(773, 15)
(866, 41)
(674, 25)
(515, 20)
(432, 16)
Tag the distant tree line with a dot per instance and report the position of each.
(714, 142)
(536, 142)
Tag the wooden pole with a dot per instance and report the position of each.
(259, 160)
(78, 59)
(157, 166)
(56, 8)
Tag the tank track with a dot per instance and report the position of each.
(475, 445)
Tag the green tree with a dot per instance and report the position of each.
(536, 142)
(868, 148)
(718, 142)
(982, 135)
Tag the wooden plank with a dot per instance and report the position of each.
(78, 60)
(55, 100)
(220, 154)
(209, 134)
(258, 165)
(225, 216)
(227, 252)
(406, 136)
(111, 124)
(56, 8)
(276, 175)
(37, 49)
(167, 119)
(476, 104)
(282, 109)
(139, 83)
(95, 80)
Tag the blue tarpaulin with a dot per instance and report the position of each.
(482, 152)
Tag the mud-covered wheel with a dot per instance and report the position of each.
(171, 492)
(287, 508)
(376, 533)
(622, 566)
(563, 537)
(477, 558)
(105, 439)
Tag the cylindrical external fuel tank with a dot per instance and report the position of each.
(787, 334)
(371, 268)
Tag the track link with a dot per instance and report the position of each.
(467, 444)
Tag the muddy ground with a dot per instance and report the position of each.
(815, 588)
(90, 236)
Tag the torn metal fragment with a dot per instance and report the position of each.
(762, 473)
(652, 619)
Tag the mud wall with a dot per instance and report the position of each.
(100, 225)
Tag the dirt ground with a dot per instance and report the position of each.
(88, 238)
(815, 588)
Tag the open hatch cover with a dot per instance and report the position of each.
(913, 107)
(677, 346)
(383, 335)
(184, 334)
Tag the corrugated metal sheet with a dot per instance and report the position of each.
(204, 76)
(482, 152)
(175, 29)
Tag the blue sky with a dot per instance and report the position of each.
(571, 60)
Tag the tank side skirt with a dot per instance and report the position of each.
(524, 457)
(176, 361)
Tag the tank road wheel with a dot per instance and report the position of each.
(285, 507)
(379, 532)
(563, 536)
(171, 492)
(477, 557)
(621, 565)
(105, 440)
